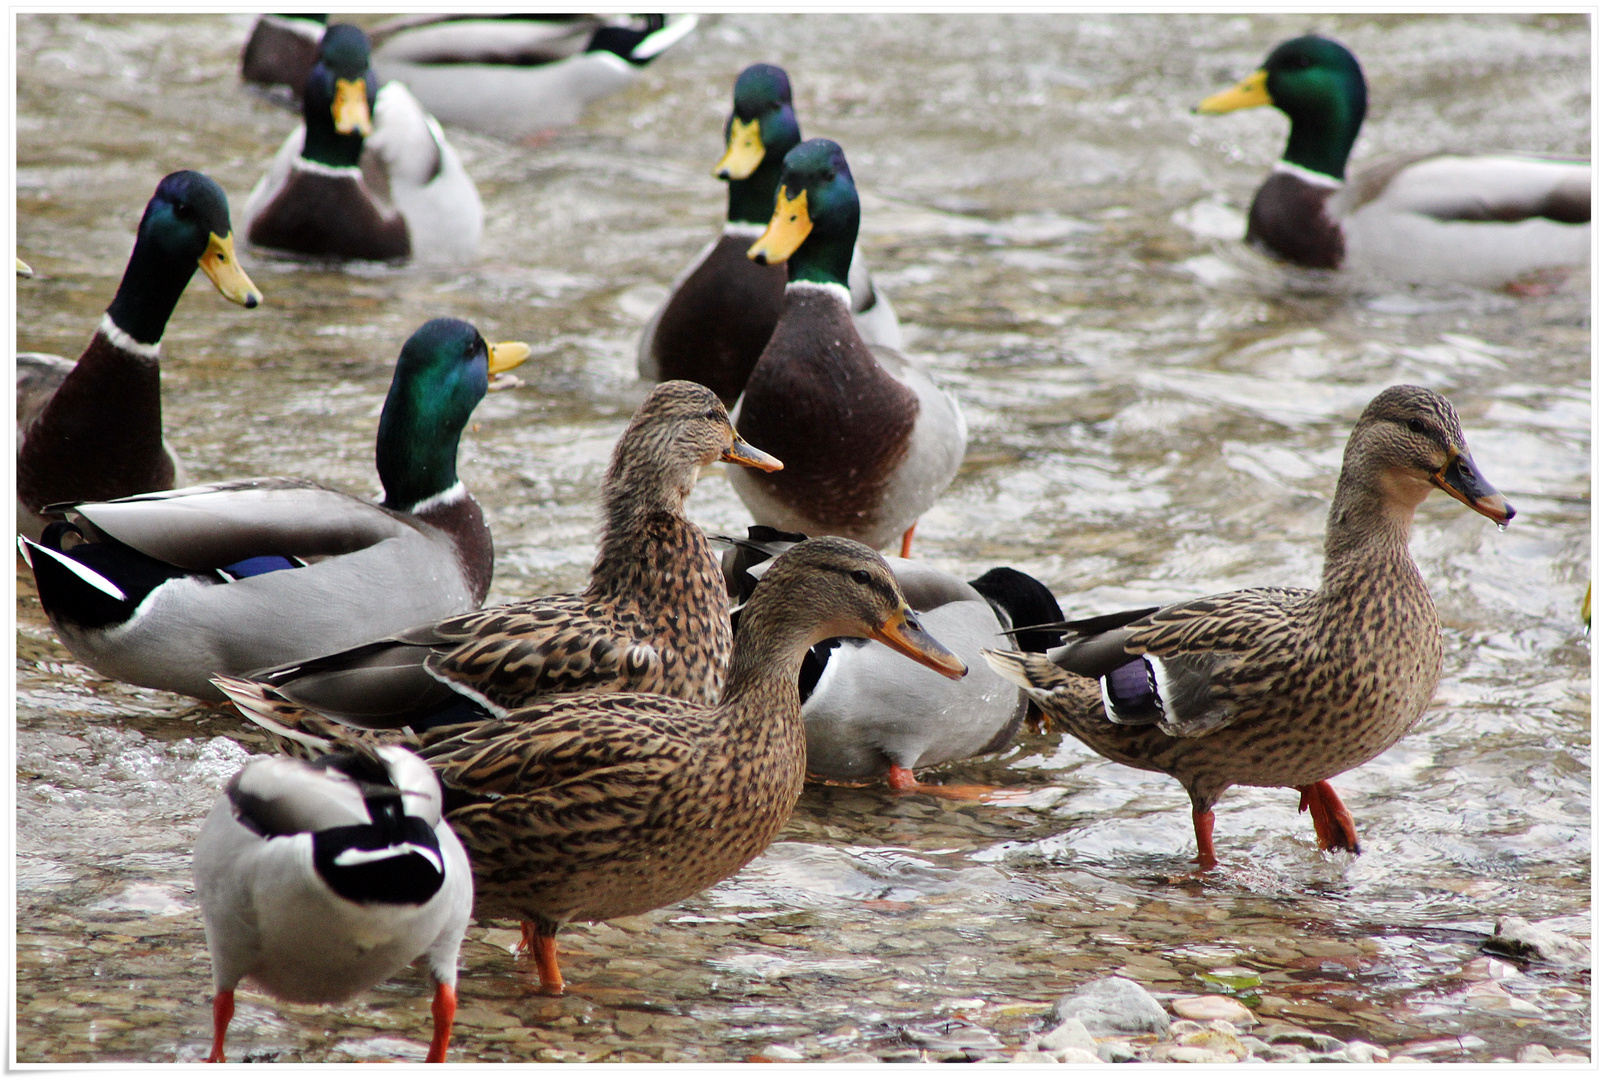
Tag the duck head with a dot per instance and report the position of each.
(679, 428)
(185, 226)
(759, 133)
(441, 375)
(817, 216)
(1407, 443)
(338, 102)
(1319, 85)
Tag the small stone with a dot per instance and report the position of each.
(1184, 1027)
(1535, 1052)
(778, 1052)
(1070, 1034)
(1033, 1057)
(1516, 937)
(1076, 1055)
(1311, 1040)
(1217, 1042)
(1114, 1006)
(859, 1057)
(1192, 1055)
(1115, 1052)
(1214, 1007)
(1366, 1053)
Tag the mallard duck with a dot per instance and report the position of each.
(168, 588)
(723, 307)
(1484, 220)
(281, 51)
(873, 440)
(1281, 687)
(368, 174)
(317, 880)
(517, 76)
(867, 713)
(652, 619)
(595, 806)
(93, 430)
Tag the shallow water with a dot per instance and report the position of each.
(1155, 413)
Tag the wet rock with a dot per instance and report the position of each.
(778, 1052)
(858, 1057)
(1070, 1034)
(1191, 1055)
(1114, 1006)
(1309, 1040)
(1214, 1007)
(1365, 1052)
(1076, 1055)
(1516, 937)
(1116, 1052)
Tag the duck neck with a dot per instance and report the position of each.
(150, 290)
(824, 256)
(1322, 134)
(416, 453)
(645, 523)
(1367, 539)
(765, 658)
(322, 143)
(750, 201)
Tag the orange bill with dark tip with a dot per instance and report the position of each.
(903, 634)
(1462, 480)
(740, 453)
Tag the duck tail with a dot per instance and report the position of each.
(1032, 672)
(300, 733)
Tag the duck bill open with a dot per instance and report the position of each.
(744, 151)
(502, 358)
(788, 227)
(218, 262)
(1248, 93)
(351, 108)
(1462, 480)
(903, 634)
(740, 453)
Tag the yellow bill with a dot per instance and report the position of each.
(744, 151)
(218, 262)
(351, 108)
(506, 356)
(788, 227)
(1248, 93)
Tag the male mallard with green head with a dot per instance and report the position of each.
(870, 439)
(368, 174)
(722, 309)
(169, 588)
(596, 806)
(1281, 687)
(1485, 220)
(93, 430)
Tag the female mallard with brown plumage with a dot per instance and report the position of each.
(1485, 220)
(597, 806)
(653, 618)
(1281, 687)
(723, 308)
(872, 439)
(93, 429)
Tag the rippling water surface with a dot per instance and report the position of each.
(1155, 413)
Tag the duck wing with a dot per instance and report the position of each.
(1492, 187)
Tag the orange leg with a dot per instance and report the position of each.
(904, 782)
(1205, 852)
(546, 954)
(904, 545)
(527, 938)
(1330, 818)
(443, 1009)
(222, 1013)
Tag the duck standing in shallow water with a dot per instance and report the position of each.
(1281, 687)
(93, 430)
(368, 175)
(1485, 220)
(169, 588)
(653, 617)
(317, 880)
(596, 806)
(870, 440)
(722, 310)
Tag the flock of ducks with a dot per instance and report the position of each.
(589, 755)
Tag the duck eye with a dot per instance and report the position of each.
(861, 576)
(1417, 427)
